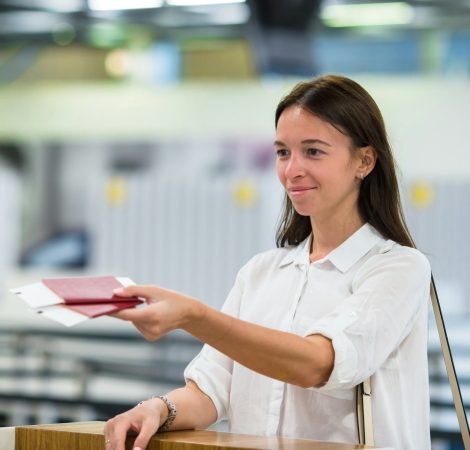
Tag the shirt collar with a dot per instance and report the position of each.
(299, 255)
(342, 257)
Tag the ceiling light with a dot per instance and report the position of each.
(224, 14)
(61, 5)
(27, 22)
(116, 5)
(367, 14)
(230, 15)
(201, 2)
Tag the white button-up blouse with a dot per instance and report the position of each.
(370, 297)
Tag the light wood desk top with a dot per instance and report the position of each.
(89, 436)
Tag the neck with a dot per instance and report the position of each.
(331, 232)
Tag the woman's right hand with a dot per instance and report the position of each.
(144, 419)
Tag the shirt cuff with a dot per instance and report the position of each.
(345, 366)
(212, 379)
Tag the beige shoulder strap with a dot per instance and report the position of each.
(363, 391)
(365, 426)
(454, 384)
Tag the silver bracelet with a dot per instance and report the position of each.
(172, 411)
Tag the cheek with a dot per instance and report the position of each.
(346, 184)
(280, 172)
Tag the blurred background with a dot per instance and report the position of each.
(136, 140)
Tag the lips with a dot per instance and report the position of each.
(297, 191)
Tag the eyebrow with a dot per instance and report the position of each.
(305, 141)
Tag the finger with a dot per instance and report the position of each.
(149, 428)
(136, 290)
(141, 322)
(115, 433)
(130, 314)
(143, 330)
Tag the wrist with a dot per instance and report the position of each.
(195, 317)
(158, 407)
(161, 409)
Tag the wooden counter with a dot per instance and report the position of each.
(89, 436)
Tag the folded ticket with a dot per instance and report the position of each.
(73, 300)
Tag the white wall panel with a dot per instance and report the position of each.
(186, 233)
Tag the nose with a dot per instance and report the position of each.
(294, 167)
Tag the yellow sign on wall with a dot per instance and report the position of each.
(421, 194)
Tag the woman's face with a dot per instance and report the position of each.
(316, 166)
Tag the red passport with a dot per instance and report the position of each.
(90, 296)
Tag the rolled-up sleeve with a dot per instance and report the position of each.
(211, 370)
(388, 292)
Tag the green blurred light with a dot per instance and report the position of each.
(107, 35)
(367, 14)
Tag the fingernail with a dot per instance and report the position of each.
(119, 291)
(137, 448)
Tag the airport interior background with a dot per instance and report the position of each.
(136, 140)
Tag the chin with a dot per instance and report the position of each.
(303, 212)
(303, 208)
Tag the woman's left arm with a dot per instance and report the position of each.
(302, 361)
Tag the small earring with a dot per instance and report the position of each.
(361, 176)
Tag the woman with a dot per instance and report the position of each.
(343, 298)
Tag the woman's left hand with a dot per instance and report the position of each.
(166, 311)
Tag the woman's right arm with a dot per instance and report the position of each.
(210, 369)
(194, 410)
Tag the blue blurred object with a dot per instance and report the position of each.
(397, 54)
(66, 249)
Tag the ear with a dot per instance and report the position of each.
(367, 159)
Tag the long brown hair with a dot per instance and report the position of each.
(349, 107)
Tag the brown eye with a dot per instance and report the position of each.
(314, 152)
